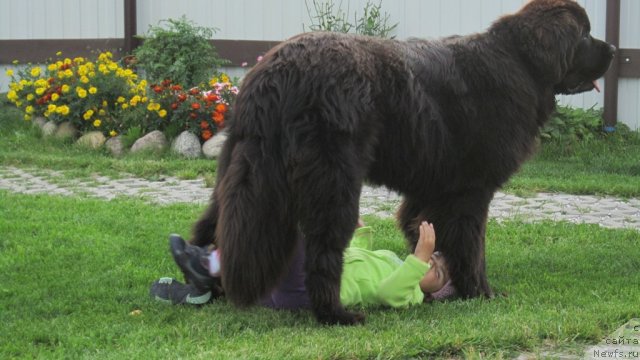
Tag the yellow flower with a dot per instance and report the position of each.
(78, 60)
(113, 133)
(153, 106)
(104, 103)
(97, 123)
(65, 88)
(9, 72)
(68, 73)
(84, 79)
(30, 97)
(55, 97)
(134, 100)
(40, 91)
(162, 113)
(51, 108)
(27, 117)
(125, 106)
(67, 61)
(59, 53)
(87, 114)
(35, 72)
(224, 78)
(52, 67)
(63, 110)
(12, 95)
(93, 90)
(39, 83)
(112, 66)
(102, 112)
(29, 109)
(121, 99)
(15, 62)
(82, 93)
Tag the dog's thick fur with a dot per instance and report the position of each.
(445, 123)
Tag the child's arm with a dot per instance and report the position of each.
(400, 288)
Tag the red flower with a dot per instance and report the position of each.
(204, 125)
(182, 97)
(176, 88)
(157, 89)
(166, 82)
(217, 117)
(206, 135)
(195, 106)
(221, 108)
(193, 115)
(174, 106)
(212, 97)
(194, 91)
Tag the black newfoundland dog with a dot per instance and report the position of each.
(444, 123)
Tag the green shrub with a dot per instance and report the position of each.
(327, 17)
(180, 52)
(573, 124)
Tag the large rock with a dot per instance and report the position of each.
(49, 128)
(93, 139)
(115, 145)
(66, 130)
(213, 146)
(40, 121)
(154, 141)
(187, 145)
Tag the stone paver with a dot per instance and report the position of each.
(605, 211)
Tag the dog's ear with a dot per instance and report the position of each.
(546, 34)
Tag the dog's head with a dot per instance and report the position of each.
(553, 37)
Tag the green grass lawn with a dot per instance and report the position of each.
(73, 271)
(608, 166)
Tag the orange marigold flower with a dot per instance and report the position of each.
(218, 117)
(194, 91)
(221, 108)
(176, 88)
(204, 125)
(195, 106)
(206, 135)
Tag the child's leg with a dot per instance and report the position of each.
(291, 293)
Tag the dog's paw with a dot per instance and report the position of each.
(341, 317)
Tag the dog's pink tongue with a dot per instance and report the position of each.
(596, 85)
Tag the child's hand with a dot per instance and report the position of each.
(426, 242)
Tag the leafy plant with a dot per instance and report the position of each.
(180, 52)
(374, 23)
(573, 124)
(328, 17)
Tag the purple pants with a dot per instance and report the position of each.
(291, 293)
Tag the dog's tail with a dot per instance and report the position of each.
(256, 229)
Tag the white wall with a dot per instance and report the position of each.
(280, 19)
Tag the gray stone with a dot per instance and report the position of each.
(187, 145)
(115, 145)
(213, 146)
(39, 121)
(154, 141)
(93, 140)
(49, 128)
(66, 130)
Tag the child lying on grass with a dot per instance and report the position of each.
(370, 277)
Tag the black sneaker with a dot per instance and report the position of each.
(190, 260)
(172, 291)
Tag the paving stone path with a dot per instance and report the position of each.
(605, 211)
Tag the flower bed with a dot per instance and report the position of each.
(106, 96)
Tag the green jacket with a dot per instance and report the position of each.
(379, 277)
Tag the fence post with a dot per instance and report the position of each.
(130, 26)
(611, 77)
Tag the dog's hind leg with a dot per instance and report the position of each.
(204, 230)
(460, 223)
(327, 185)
